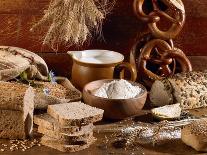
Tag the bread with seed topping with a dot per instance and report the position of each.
(189, 89)
(195, 135)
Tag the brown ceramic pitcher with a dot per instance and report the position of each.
(91, 65)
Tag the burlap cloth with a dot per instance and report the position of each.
(62, 92)
(14, 61)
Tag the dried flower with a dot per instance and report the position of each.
(52, 77)
(46, 91)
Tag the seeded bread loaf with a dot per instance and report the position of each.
(195, 135)
(16, 110)
(48, 122)
(78, 136)
(53, 143)
(75, 114)
(188, 89)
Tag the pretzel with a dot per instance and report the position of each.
(154, 17)
(180, 57)
(166, 55)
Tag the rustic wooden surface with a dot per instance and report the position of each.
(105, 134)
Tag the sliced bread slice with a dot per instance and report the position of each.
(79, 136)
(53, 143)
(48, 122)
(168, 112)
(75, 113)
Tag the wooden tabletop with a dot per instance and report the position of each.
(105, 134)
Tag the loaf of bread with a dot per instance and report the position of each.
(16, 110)
(55, 144)
(49, 123)
(195, 135)
(188, 89)
(75, 114)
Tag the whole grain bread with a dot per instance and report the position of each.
(53, 143)
(13, 96)
(16, 111)
(78, 136)
(188, 89)
(48, 122)
(195, 135)
(75, 113)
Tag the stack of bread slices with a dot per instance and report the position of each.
(68, 127)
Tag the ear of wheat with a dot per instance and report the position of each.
(72, 22)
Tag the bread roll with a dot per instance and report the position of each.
(195, 135)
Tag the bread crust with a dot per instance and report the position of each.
(75, 114)
(195, 135)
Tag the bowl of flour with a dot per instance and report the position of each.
(118, 98)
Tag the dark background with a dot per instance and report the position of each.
(120, 30)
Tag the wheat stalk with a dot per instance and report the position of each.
(72, 22)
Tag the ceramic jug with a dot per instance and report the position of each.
(91, 65)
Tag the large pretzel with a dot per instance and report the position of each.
(166, 55)
(154, 17)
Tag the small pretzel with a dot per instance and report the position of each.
(154, 17)
(146, 56)
(165, 57)
(180, 57)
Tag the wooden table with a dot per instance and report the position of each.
(105, 137)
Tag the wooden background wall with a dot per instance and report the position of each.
(120, 30)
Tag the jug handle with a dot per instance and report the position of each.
(119, 71)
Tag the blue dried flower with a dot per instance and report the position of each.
(46, 91)
(51, 77)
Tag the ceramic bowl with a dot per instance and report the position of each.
(114, 108)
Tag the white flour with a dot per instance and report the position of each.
(118, 89)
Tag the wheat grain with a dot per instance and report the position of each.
(72, 22)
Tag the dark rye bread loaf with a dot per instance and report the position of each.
(75, 114)
(53, 143)
(188, 89)
(48, 122)
(16, 110)
(195, 135)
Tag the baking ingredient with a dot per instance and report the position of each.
(19, 145)
(146, 133)
(188, 89)
(71, 22)
(167, 112)
(48, 93)
(118, 89)
(195, 135)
